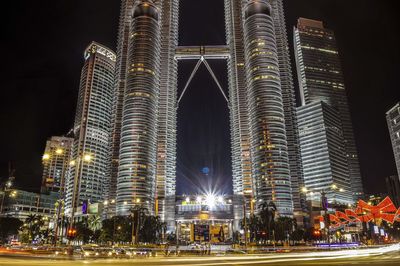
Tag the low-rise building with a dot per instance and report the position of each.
(20, 204)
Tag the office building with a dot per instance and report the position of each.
(323, 153)
(88, 178)
(136, 183)
(321, 79)
(289, 106)
(56, 159)
(145, 107)
(393, 189)
(118, 98)
(20, 204)
(243, 187)
(270, 160)
(167, 114)
(393, 121)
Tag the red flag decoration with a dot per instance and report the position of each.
(385, 210)
(397, 216)
(365, 212)
(353, 216)
(334, 221)
(343, 217)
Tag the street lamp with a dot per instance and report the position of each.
(324, 206)
(87, 158)
(78, 163)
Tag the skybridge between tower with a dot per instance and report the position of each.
(202, 54)
(198, 52)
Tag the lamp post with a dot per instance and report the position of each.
(245, 224)
(6, 187)
(60, 204)
(78, 172)
(324, 205)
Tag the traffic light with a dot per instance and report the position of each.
(71, 233)
(317, 233)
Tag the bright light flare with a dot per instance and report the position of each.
(210, 200)
(87, 158)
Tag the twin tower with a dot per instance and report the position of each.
(265, 151)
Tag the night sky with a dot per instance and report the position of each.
(42, 46)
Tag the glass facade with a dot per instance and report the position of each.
(118, 98)
(167, 114)
(323, 153)
(56, 159)
(136, 182)
(321, 79)
(393, 121)
(270, 160)
(20, 204)
(239, 118)
(289, 104)
(88, 177)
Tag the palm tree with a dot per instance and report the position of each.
(267, 216)
(138, 215)
(94, 222)
(284, 227)
(161, 228)
(254, 227)
(34, 223)
(47, 235)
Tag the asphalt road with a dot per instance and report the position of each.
(372, 256)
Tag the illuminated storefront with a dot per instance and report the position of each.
(204, 218)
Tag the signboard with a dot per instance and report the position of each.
(376, 229)
(201, 232)
(84, 207)
(94, 208)
(321, 225)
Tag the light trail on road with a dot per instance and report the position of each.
(370, 256)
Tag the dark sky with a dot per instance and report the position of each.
(42, 45)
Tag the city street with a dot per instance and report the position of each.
(380, 256)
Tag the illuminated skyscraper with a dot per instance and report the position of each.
(136, 183)
(323, 152)
(289, 106)
(167, 113)
(321, 79)
(56, 159)
(393, 121)
(270, 159)
(243, 181)
(243, 188)
(147, 94)
(88, 177)
(119, 92)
